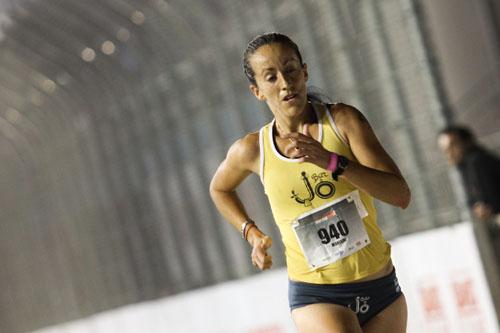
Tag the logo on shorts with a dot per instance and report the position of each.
(362, 305)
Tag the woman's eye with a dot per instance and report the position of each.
(271, 78)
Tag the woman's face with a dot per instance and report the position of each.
(281, 79)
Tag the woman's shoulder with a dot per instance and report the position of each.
(250, 143)
(347, 117)
(342, 112)
(246, 151)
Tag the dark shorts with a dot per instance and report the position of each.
(365, 298)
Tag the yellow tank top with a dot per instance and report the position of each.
(294, 188)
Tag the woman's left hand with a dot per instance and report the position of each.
(307, 149)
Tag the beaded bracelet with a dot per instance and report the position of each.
(244, 227)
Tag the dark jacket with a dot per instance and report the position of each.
(481, 174)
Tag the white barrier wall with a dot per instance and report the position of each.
(439, 271)
(253, 305)
(442, 277)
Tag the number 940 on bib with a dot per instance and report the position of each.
(333, 231)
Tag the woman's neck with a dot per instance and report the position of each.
(286, 125)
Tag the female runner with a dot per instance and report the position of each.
(321, 165)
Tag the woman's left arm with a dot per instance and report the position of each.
(374, 172)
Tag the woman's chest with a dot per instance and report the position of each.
(302, 186)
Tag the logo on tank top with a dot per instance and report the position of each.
(322, 188)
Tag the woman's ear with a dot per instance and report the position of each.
(304, 68)
(256, 92)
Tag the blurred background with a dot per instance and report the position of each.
(114, 115)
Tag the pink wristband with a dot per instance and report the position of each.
(332, 165)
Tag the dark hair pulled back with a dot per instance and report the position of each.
(261, 40)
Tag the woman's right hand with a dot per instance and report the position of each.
(260, 243)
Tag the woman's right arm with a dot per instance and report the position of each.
(242, 159)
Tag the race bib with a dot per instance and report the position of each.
(332, 231)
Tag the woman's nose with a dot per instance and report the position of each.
(285, 80)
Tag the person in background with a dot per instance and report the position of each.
(480, 171)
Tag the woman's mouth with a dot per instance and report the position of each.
(290, 97)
